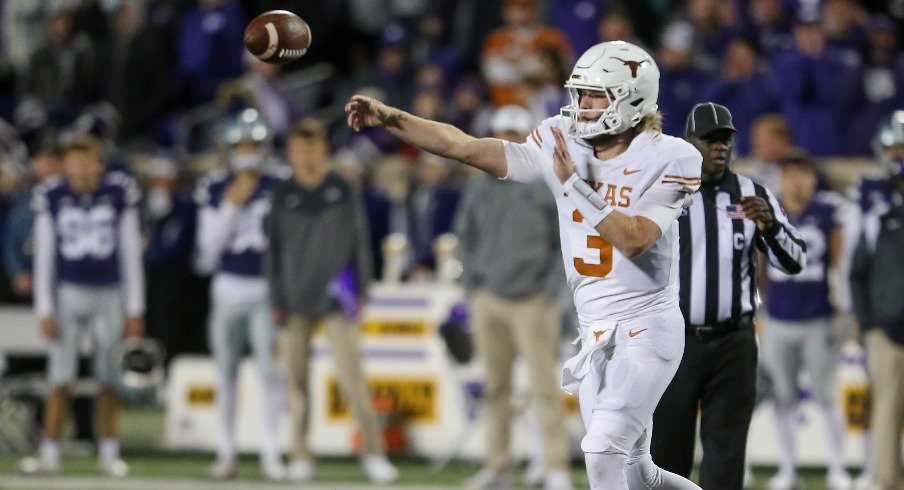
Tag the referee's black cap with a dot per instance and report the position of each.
(707, 117)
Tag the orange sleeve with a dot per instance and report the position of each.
(495, 42)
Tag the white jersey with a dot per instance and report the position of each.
(654, 178)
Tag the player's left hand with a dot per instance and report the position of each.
(562, 163)
(134, 327)
(757, 209)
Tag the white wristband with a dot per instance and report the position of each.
(591, 205)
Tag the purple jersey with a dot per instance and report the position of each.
(86, 227)
(870, 193)
(243, 255)
(805, 296)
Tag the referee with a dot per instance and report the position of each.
(717, 274)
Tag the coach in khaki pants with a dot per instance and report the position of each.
(877, 294)
(509, 246)
(318, 266)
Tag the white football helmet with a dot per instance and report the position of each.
(889, 134)
(626, 74)
(248, 126)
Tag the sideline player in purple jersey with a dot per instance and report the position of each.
(800, 331)
(232, 207)
(88, 273)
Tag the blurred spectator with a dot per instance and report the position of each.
(164, 16)
(388, 210)
(368, 15)
(880, 86)
(63, 74)
(617, 27)
(393, 68)
(18, 242)
(744, 88)
(91, 18)
(428, 103)
(468, 110)
(432, 46)
(511, 54)
(708, 24)
(24, 30)
(771, 25)
(578, 20)
(138, 73)
(432, 206)
(648, 18)
(173, 309)
(811, 80)
(545, 93)
(260, 89)
(12, 181)
(432, 77)
(210, 48)
(680, 81)
(770, 141)
(349, 166)
(473, 21)
(845, 28)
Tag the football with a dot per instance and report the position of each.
(277, 36)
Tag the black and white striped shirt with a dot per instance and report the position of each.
(718, 262)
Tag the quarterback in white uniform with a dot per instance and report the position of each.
(619, 185)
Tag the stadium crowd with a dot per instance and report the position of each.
(159, 81)
(156, 78)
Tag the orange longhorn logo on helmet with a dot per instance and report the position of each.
(633, 65)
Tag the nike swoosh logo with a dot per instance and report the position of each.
(630, 172)
(635, 333)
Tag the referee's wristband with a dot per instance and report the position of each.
(591, 205)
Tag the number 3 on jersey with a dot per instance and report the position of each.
(597, 243)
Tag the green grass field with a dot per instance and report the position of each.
(152, 467)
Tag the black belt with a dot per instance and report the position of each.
(713, 330)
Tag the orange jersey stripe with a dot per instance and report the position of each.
(681, 177)
(689, 184)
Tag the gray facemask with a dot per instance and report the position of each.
(246, 161)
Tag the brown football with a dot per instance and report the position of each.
(277, 36)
